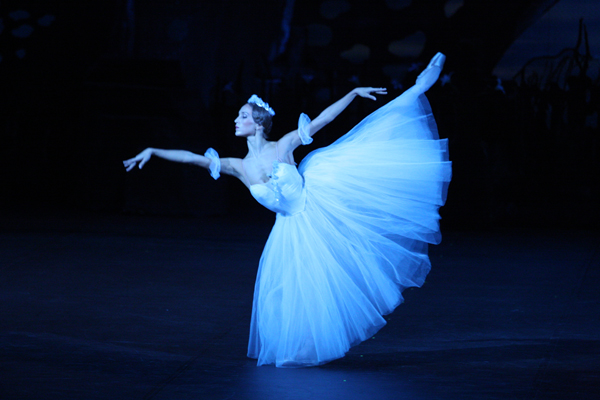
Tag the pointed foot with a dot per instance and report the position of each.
(437, 61)
(430, 74)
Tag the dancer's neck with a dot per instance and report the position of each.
(256, 145)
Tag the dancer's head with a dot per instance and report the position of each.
(262, 117)
(254, 117)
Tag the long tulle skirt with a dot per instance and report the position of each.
(329, 273)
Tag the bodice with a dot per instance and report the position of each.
(284, 192)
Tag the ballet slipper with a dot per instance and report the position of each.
(437, 61)
(431, 74)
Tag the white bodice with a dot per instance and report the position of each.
(284, 192)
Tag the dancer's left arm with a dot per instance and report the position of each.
(291, 140)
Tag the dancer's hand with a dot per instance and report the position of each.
(142, 158)
(366, 92)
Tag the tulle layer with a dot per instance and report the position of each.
(329, 273)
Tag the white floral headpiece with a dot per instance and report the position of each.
(259, 102)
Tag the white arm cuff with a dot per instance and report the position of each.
(215, 162)
(304, 129)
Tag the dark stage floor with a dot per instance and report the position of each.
(126, 307)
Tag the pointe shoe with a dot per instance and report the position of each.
(437, 61)
(429, 76)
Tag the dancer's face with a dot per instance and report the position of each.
(244, 123)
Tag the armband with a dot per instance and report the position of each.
(215, 163)
(304, 129)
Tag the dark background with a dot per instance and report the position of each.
(85, 85)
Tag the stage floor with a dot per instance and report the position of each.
(137, 307)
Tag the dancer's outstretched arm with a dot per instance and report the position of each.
(229, 166)
(336, 108)
(291, 141)
(181, 156)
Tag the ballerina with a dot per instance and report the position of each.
(353, 221)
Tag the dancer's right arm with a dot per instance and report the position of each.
(229, 166)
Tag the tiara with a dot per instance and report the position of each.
(259, 102)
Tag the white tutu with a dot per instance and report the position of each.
(338, 262)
